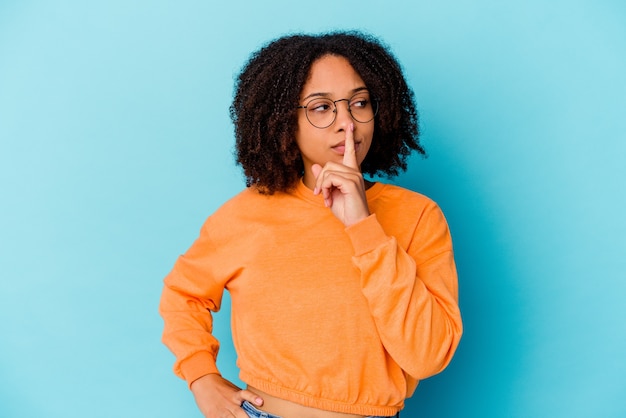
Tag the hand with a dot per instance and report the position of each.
(218, 398)
(342, 185)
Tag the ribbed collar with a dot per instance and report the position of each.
(304, 193)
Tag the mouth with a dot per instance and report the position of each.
(340, 148)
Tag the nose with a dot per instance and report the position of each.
(343, 117)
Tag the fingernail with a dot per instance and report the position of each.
(316, 190)
(352, 127)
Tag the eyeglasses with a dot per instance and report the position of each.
(321, 112)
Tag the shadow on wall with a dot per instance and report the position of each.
(480, 379)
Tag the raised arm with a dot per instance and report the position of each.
(412, 292)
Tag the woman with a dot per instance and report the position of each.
(344, 291)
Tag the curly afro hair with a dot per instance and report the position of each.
(264, 109)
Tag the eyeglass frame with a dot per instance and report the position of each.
(372, 100)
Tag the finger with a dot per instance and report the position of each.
(253, 398)
(349, 152)
(316, 169)
(331, 181)
(323, 186)
(238, 413)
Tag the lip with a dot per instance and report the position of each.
(340, 148)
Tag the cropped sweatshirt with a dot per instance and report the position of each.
(341, 319)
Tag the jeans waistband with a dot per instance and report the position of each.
(256, 413)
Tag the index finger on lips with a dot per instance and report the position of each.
(349, 152)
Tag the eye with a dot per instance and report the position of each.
(359, 102)
(320, 106)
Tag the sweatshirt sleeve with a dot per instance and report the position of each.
(190, 294)
(412, 292)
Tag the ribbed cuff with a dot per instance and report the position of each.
(198, 365)
(366, 235)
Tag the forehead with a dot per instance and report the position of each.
(332, 75)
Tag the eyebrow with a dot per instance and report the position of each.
(320, 94)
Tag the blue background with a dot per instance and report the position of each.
(115, 144)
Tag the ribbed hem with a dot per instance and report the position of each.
(315, 402)
(198, 365)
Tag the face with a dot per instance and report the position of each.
(331, 77)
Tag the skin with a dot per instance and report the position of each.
(332, 158)
(216, 397)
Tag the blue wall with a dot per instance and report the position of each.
(115, 144)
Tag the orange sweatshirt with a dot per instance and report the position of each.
(336, 318)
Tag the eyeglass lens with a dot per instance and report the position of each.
(321, 112)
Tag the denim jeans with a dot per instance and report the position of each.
(255, 413)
